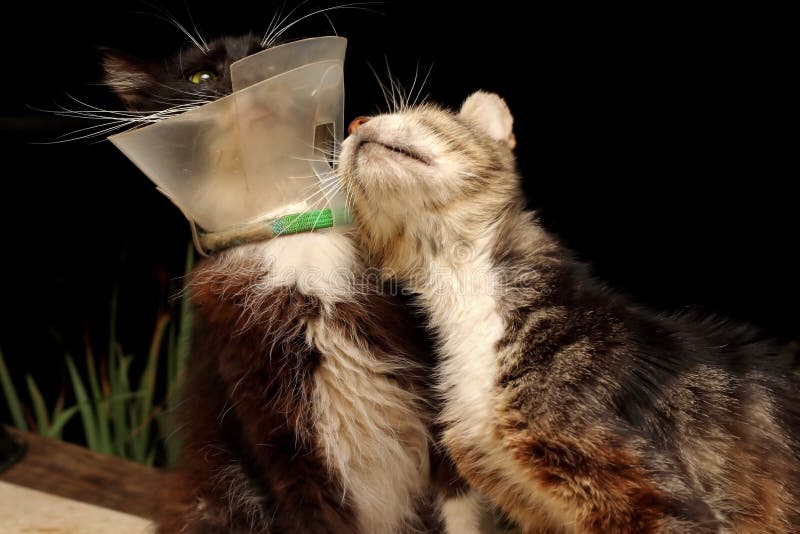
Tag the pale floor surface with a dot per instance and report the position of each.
(23, 510)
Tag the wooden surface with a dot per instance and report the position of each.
(77, 473)
(26, 510)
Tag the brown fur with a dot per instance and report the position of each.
(247, 404)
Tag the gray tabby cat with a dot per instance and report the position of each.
(572, 408)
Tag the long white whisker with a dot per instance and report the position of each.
(88, 136)
(421, 86)
(413, 86)
(273, 22)
(196, 30)
(277, 34)
(268, 38)
(391, 85)
(382, 87)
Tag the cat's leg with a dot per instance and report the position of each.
(463, 513)
(461, 509)
(598, 481)
(225, 503)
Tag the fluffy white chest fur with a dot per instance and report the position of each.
(371, 430)
(463, 311)
(463, 307)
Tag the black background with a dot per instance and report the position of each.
(654, 141)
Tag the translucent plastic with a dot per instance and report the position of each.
(259, 151)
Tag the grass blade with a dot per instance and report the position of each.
(185, 325)
(147, 383)
(59, 422)
(116, 384)
(116, 401)
(12, 399)
(112, 322)
(39, 410)
(84, 406)
(100, 404)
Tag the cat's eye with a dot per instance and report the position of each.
(202, 76)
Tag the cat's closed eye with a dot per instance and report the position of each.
(202, 76)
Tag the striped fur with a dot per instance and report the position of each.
(572, 408)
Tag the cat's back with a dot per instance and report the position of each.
(710, 406)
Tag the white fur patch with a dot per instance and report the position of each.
(371, 431)
(463, 514)
(317, 263)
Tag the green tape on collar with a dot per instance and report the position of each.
(294, 223)
(303, 222)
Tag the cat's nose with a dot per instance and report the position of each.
(356, 124)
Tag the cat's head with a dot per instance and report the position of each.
(427, 163)
(190, 76)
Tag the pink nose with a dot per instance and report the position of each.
(356, 124)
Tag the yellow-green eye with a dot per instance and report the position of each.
(202, 76)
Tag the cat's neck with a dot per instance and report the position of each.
(316, 263)
(447, 253)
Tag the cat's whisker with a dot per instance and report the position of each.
(100, 133)
(333, 27)
(141, 116)
(331, 186)
(276, 15)
(313, 196)
(111, 120)
(270, 40)
(416, 101)
(197, 98)
(196, 30)
(413, 86)
(312, 160)
(188, 105)
(330, 179)
(330, 152)
(324, 190)
(207, 93)
(397, 98)
(314, 174)
(166, 16)
(279, 22)
(382, 87)
(392, 89)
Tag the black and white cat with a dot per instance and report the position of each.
(305, 407)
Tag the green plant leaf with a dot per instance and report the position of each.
(39, 409)
(112, 321)
(100, 404)
(84, 406)
(10, 393)
(138, 444)
(59, 422)
(185, 325)
(147, 382)
(150, 459)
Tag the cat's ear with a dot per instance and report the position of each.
(130, 78)
(491, 114)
